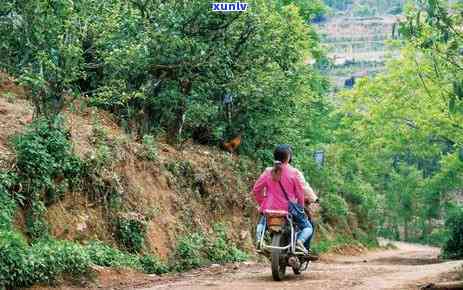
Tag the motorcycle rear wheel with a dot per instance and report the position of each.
(278, 263)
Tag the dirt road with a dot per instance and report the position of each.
(403, 268)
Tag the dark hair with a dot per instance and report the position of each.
(281, 154)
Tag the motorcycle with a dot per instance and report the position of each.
(278, 243)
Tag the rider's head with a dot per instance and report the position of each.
(282, 154)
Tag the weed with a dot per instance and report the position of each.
(130, 232)
(453, 248)
(46, 167)
(43, 262)
(150, 151)
(7, 208)
(189, 252)
(36, 226)
(13, 259)
(152, 265)
(195, 250)
(104, 255)
(50, 259)
(9, 96)
(222, 250)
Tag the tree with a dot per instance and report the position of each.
(41, 43)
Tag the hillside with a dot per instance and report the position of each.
(173, 192)
(180, 188)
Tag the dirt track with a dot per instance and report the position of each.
(403, 268)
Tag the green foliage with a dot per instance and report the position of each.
(130, 232)
(45, 163)
(36, 227)
(149, 148)
(169, 69)
(49, 259)
(222, 250)
(107, 256)
(152, 265)
(326, 245)
(46, 168)
(7, 207)
(196, 250)
(43, 262)
(453, 248)
(189, 252)
(334, 207)
(13, 260)
(42, 43)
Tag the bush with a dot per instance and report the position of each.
(44, 160)
(50, 259)
(453, 248)
(7, 209)
(334, 207)
(195, 250)
(189, 252)
(47, 260)
(45, 167)
(149, 148)
(36, 227)
(152, 265)
(222, 250)
(130, 232)
(103, 255)
(106, 256)
(43, 262)
(13, 261)
(437, 237)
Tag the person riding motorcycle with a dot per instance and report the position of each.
(280, 185)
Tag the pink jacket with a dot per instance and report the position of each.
(269, 195)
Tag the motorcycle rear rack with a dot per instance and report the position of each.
(291, 245)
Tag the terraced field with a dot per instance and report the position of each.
(357, 46)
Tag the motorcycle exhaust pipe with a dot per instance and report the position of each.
(294, 262)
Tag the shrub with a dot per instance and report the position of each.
(189, 252)
(45, 167)
(50, 259)
(36, 226)
(334, 207)
(13, 261)
(47, 260)
(44, 159)
(149, 148)
(195, 250)
(152, 265)
(103, 255)
(437, 237)
(106, 256)
(453, 248)
(130, 232)
(7, 209)
(222, 250)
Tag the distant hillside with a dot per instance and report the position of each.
(356, 46)
(366, 7)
